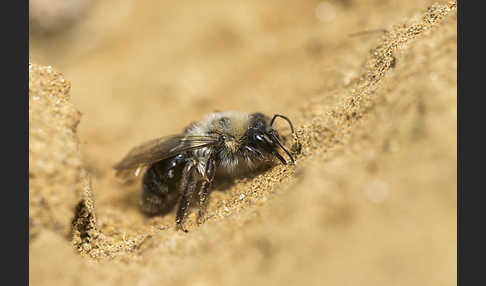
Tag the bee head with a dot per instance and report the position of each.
(262, 138)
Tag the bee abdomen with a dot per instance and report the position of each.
(159, 193)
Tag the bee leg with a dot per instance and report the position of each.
(187, 186)
(205, 189)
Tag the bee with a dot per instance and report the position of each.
(229, 143)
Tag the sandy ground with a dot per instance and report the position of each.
(372, 197)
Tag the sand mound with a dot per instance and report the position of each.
(371, 200)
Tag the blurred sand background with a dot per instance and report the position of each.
(372, 197)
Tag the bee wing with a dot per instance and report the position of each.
(159, 149)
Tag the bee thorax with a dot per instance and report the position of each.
(232, 145)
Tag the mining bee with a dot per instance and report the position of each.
(227, 143)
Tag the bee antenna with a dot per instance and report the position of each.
(284, 117)
(275, 138)
(283, 148)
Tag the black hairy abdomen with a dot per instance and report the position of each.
(159, 186)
